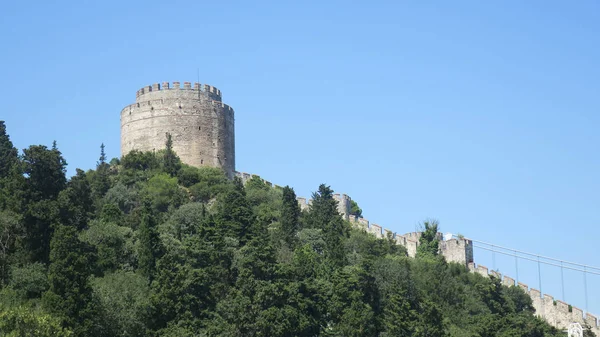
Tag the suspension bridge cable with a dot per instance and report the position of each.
(535, 255)
(544, 262)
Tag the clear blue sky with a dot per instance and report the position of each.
(484, 115)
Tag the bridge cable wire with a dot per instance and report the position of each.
(585, 287)
(517, 265)
(585, 269)
(562, 282)
(534, 255)
(540, 276)
(543, 262)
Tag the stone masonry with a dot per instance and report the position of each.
(201, 125)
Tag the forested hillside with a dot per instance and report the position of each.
(146, 246)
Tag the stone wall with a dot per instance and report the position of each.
(556, 312)
(201, 125)
(460, 250)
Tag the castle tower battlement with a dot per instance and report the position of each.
(201, 125)
(176, 90)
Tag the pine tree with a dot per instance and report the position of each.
(70, 295)
(290, 217)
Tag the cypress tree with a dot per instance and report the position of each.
(45, 179)
(70, 295)
(234, 215)
(101, 183)
(11, 174)
(9, 156)
(290, 217)
(325, 216)
(172, 163)
(150, 247)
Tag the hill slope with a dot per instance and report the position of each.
(146, 246)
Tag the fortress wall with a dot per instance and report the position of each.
(556, 312)
(344, 205)
(496, 274)
(376, 230)
(358, 223)
(457, 250)
(201, 126)
(483, 271)
(537, 301)
(508, 281)
(387, 233)
(411, 247)
(364, 224)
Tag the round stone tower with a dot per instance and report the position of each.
(201, 126)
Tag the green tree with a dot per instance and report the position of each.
(124, 302)
(431, 321)
(70, 295)
(208, 183)
(171, 162)
(11, 232)
(9, 155)
(353, 303)
(23, 322)
(76, 205)
(429, 241)
(233, 214)
(45, 179)
(355, 210)
(101, 181)
(324, 215)
(290, 217)
(113, 245)
(164, 192)
(139, 161)
(149, 246)
(30, 280)
(126, 198)
(45, 171)
(11, 177)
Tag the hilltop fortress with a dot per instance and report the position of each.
(203, 133)
(201, 125)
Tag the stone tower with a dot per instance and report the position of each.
(201, 125)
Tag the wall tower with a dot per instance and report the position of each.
(201, 125)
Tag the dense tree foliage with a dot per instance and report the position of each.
(147, 246)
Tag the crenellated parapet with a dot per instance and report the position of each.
(344, 204)
(175, 88)
(457, 250)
